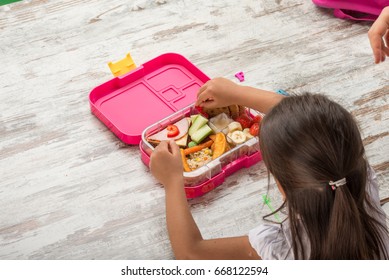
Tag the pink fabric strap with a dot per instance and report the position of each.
(343, 14)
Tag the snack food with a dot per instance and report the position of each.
(205, 139)
(165, 134)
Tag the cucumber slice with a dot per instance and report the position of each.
(192, 144)
(193, 118)
(197, 124)
(201, 133)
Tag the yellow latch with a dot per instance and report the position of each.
(122, 66)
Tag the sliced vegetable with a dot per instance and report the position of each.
(192, 144)
(184, 161)
(197, 148)
(199, 122)
(220, 145)
(201, 133)
(172, 130)
(193, 118)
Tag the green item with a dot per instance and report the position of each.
(193, 118)
(201, 134)
(192, 144)
(266, 200)
(5, 2)
(196, 125)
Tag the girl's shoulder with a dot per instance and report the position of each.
(272, 241)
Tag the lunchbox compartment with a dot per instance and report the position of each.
(154, 90)
(212, 173)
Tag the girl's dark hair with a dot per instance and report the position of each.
(307, 141)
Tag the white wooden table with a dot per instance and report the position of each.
(70, 189)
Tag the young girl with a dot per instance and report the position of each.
(314, 150)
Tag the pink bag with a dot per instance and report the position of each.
(354, 9)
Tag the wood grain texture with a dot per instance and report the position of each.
(71, 190)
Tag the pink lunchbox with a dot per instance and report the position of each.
(362, 10)
(152, 96)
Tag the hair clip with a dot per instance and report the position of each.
(336, 184)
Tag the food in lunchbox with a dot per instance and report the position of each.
(257, 118)
(246, 132)
(192, 144)
(199, 158)
(196, 156)
(197, 148)
(254, 129)
(245, 120)
(199, 129)
(233, 111)
(184, 161)
(182, 126)
(172, 130)
(219, 146)
(198, 122)
(182, 141)
(237, 137)
(220, 123)
(201, 134)
(234, 126)
(207, 138)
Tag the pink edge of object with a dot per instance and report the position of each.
(240, 76)
(217, 180)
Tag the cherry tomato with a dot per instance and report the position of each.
(201, 111)
(172, 130)
(257, 118)
(254, 129)
(245, 121)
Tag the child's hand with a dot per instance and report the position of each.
(166, 164)
(379, 36)
(218, 92)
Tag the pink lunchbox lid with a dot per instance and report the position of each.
(154, 90)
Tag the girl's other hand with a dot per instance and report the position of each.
(218, 92)
(379, 36)
(165, 163)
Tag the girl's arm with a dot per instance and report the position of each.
(185, 237)
(220, 92)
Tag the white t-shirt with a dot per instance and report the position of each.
(274, 241)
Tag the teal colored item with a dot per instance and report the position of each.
(266, 200)
(283, 92)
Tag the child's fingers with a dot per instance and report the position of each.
(386, 51)
(376, 34)
(203, 98)
(386, 41)
(203, 88)
(375, 43)
(163, 145)
(175, 150)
